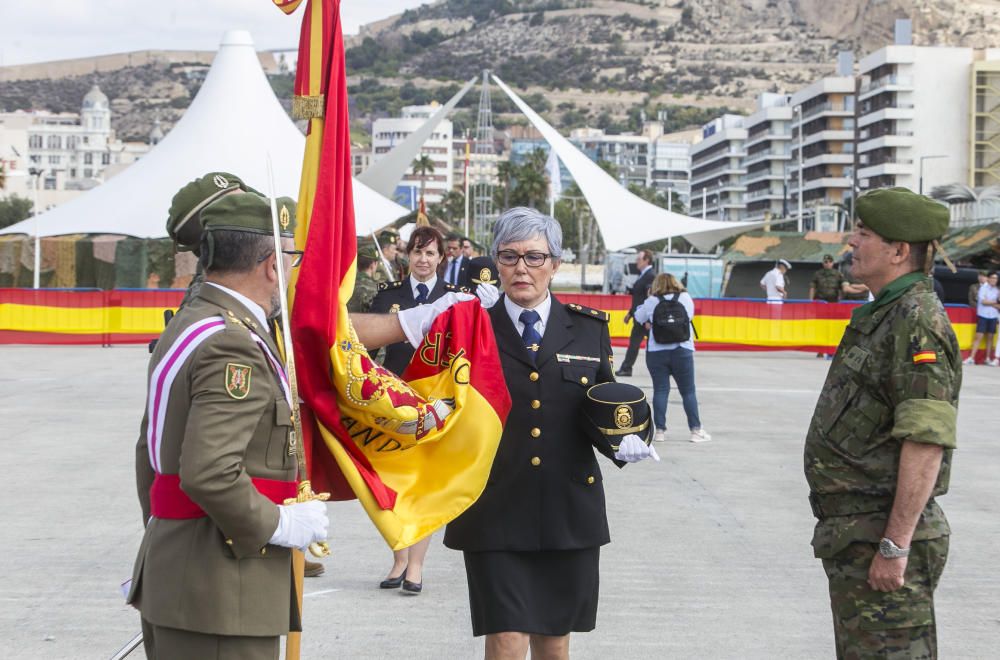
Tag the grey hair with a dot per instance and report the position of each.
(524, 224)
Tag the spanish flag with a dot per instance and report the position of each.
(416, 454)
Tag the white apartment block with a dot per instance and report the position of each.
(717, 170)
(913, 117)
(388, 132)
(671, 164)
(67, 152)
(767, 156)
(628, 152)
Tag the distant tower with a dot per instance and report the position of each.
(483, 213)
(95, 115)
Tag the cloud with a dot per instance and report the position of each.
(62, 29)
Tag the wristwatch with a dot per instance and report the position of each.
(888, 549)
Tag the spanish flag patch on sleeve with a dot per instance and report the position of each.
(924, 357)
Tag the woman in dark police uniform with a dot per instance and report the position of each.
(424, 284)
(532, 540)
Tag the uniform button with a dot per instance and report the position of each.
(536, 461)
(584, 380)
(229, 541)
(535, 432)
(536, 404)
(590, 480)
(263, 551)
(533, 376)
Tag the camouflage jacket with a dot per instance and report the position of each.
(826, 284)
(895, 377)
(365, 290)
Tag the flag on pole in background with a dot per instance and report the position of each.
(415, 454)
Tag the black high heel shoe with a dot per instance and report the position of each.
(412, 588)
(393, 582)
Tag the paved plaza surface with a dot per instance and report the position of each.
(709, 558)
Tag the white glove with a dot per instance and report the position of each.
(416, 321)
(632, 450)
(301, 524)
(488, 294)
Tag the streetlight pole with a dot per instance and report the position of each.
(921, 180)
(798, 110)
(36, 173)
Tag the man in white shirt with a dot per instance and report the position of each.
(774, 282)
(458, 264)
(987, 316)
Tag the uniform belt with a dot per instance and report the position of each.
(847, 504)
(167, 500)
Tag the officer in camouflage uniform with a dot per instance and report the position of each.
(365, 286)
(827, 283)
(878, 450)
(388, 240)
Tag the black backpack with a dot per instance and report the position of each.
(671, 324)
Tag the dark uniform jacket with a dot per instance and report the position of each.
(544, 491)
(463, 272)
(640, 290)
(217, 574)
(394, 296)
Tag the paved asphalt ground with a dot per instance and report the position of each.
(709, 558)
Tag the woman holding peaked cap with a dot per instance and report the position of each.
(532, 539)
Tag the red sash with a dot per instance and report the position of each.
(167, 500)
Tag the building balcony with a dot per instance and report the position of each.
(766, 154)
(828, 159)
(701, 177)
(828, 109)
(892, 140)
(897, 112)
(763, 194)
(894, 167)
(753, 177)
(819, 183)
(829, 135)
(892, 83)
(767, 136)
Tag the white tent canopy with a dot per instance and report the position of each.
(232, 125)
(624, 218)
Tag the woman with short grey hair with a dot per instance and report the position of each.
(532, 540)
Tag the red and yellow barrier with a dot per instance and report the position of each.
(52, 316)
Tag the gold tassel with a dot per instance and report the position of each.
(308, 107)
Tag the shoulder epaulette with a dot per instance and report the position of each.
(589, 312)
(386, 286)
(452, 287)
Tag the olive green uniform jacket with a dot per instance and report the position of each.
(217, 574)
(895, 377)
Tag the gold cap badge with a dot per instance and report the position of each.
(623, 417)
(220, 181)
(284, 217)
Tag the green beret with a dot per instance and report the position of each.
(899, 214)
(388, 236)
(191, 200)
(366, 249)
(248, 212)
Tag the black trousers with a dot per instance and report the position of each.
(634, 341)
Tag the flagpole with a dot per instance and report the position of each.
(466, 184)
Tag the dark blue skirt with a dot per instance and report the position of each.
(550, 592)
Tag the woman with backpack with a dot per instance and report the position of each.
(668, 312)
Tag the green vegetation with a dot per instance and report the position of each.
(14, 209)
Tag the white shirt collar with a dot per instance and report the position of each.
(514, 311)
(254, 308)
(430, 285)
(643, 271)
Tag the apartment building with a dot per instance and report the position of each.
(388, 132)
(914, 102)
(984, 123)
(767, 156)
(717, 170)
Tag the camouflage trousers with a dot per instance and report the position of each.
(895, 625)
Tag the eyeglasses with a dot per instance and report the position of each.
(531, 259)
(296, 256)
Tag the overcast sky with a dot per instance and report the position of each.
(61, 29)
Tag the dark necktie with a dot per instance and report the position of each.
(529, 335)
(453, 272)
(421, 293)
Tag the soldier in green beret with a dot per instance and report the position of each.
(827, 283)
(184, 217)
(212, 578)
(388, 241)
(878, 450)
(365, 286)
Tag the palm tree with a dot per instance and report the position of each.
(423, 166)
(3, 175)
